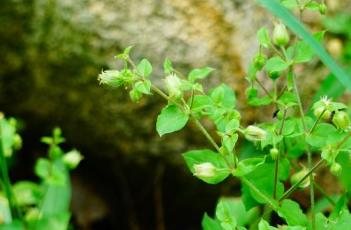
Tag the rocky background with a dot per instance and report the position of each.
(51, 54)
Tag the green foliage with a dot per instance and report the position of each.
(171, 119)
(43, 205)
(274, 156)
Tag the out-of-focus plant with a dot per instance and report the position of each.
(30, 205)
(285, 140)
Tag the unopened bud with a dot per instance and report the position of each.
(110, 78)
(280, 35)
(254, 133)
(17, 142)
(274, 152)
(322, 8)
(173, 85)
(251, 92)
(341, 120)
(206, 170)
(298, 176)
(335, 169)
(259, 61)
(72, 159)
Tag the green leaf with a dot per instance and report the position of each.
(167, 66)
(247, 166)
(197, 74)
(248, 200)
(276, 64)
(210, 224)
(197, 157)
(264, 225)
(312, 6)
(256, 101)
(288, 99)
(171, 119)
(223, 96)
(27, 193)
(15, 225)
(43, 168)
(290, 20)
(225, 213)
(125, 54)
(261, 177)
(292, 213)
(59, 221)
(263, 37)
(58, 195)
(143, 87)
(144, 68)
(322, 135)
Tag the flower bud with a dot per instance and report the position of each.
(318, 112)
(206, 170)
(280, 35)
(341, 120)
(274, 152)
(335, 169)
(254, 133)
(259, 61)
(110, 78)
(173, 85)
(72, 159)
(298, 176)
(322, 8)
(251, 92)
(274, 75)
(17, 142)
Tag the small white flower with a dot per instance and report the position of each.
(206, 169)
(173, 84)
(72, 159)
(254, 133)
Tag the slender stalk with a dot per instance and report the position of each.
(321, 190)
(272, 203)
(264, 88)
(296, 185)
(276, 167)
(7, 183)
(317, 121)
(309, 154)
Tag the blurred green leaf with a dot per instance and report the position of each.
(290, 20)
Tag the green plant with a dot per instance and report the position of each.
(35, 206)
(285, 140)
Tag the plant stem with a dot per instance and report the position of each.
(276, 167)
(6, 181)
(264, 88)
(296, 185)
(309, 155)
(321, 190)
(317, 121)
(272, 203)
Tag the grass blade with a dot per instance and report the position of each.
(294, 24)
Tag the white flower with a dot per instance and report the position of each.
(72, 159)
(173, 84)
(206, 169)
(254, 133)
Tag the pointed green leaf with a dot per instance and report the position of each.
(144, 68)
(171, 119)
(214, 168)
(197, 74)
